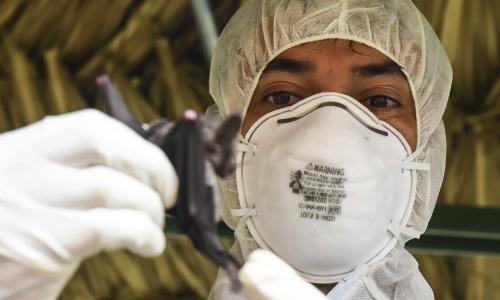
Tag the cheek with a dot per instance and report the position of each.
(253, 113)
(408, 129)
(247, 123)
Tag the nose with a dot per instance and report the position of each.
(334, 82)
(332, 75)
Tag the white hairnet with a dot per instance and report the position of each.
(262, 29)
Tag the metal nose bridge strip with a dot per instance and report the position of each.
(340, 105)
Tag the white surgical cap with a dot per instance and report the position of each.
(263, 29)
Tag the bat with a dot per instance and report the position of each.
(198, 150)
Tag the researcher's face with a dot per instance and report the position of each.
(338, 66)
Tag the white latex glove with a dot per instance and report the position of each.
(266, 277)
(71, 186)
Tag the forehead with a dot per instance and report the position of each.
(336, 51)
(333, 59)
(337, 45)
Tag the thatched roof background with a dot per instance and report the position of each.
(51, 52)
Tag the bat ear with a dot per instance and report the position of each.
(115, 105)
(221, 152)
(228, 130)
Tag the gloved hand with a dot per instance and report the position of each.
(266, 277)
(71, 186)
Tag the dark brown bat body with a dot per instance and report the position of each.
(194, 156)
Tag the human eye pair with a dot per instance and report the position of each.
(376, 102)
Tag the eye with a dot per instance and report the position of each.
(281, 98)
(382, 102)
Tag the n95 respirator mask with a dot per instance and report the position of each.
(326, 185)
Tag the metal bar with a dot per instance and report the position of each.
(450, 246)
(206, 25)
(461, 231)
(465, 222)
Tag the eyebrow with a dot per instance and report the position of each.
(288, 65)
(386, 68)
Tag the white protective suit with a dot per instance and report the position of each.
(263, 29)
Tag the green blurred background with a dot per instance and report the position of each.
(52, 50)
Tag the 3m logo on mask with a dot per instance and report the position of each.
(322, 191)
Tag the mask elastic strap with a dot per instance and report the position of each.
(244, 146)
(247, 242)
(403, 233)
(243, 214)
(409, 162)
(347, 282)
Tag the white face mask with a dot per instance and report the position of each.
(326, 185)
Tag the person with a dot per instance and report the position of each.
(355, 89)
(351, 92)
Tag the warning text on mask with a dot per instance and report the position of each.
(321, 189)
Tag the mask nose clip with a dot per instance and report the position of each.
(339, 105)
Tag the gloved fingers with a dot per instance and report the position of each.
(89, 137)
(266, 277)
(59, 186)
(54, 239)
(104, 187)
(112, 229)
